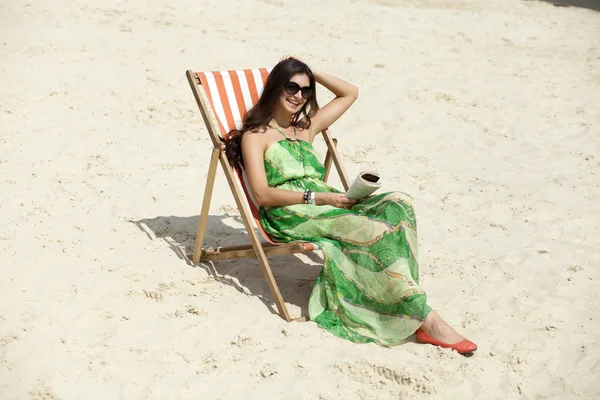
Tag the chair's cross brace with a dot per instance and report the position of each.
(236, 252)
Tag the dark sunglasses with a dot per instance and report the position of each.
(292, 88)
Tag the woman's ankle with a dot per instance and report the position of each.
(439, 329)
(430, 322)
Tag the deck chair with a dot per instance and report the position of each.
(224, 98)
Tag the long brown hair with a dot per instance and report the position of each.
(259, 116)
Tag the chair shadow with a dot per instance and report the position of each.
(590, 4)
(244, 275)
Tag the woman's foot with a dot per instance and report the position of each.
(435, 326)
(436, 331)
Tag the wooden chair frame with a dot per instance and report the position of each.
(256, 249)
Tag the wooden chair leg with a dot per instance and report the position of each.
(331, 148)
(254, 239)
(273, 287)
(327, 162)
(210, 183)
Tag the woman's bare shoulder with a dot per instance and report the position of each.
(255, 138)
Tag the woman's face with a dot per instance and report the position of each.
(292, 103)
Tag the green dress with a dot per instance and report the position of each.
(368, 289)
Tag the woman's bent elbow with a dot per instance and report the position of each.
(262, 200)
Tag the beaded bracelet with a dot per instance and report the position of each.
(310, 197)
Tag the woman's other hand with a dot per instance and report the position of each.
(338, 200)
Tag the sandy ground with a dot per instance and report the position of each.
(487, 112)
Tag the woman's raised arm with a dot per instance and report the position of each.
(345, 93)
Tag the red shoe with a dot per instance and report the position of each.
(464, 346)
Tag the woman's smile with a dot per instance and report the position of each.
(294, 102)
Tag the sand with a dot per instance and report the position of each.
(486, 112)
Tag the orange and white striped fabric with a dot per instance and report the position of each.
(231, 94)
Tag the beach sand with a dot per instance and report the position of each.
(486, 112)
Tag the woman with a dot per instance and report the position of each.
(368, 288)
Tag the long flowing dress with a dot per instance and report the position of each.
(368, 289)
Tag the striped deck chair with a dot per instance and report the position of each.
(223, 98)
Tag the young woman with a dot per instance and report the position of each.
(368, 289)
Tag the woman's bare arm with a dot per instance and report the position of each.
(253, 152)
(345, 93)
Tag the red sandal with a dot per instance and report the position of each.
(464, 346)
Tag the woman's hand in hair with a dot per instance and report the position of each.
(338, 200)
(289, 57)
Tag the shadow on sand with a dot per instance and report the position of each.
(591, 4)
(294, 276)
